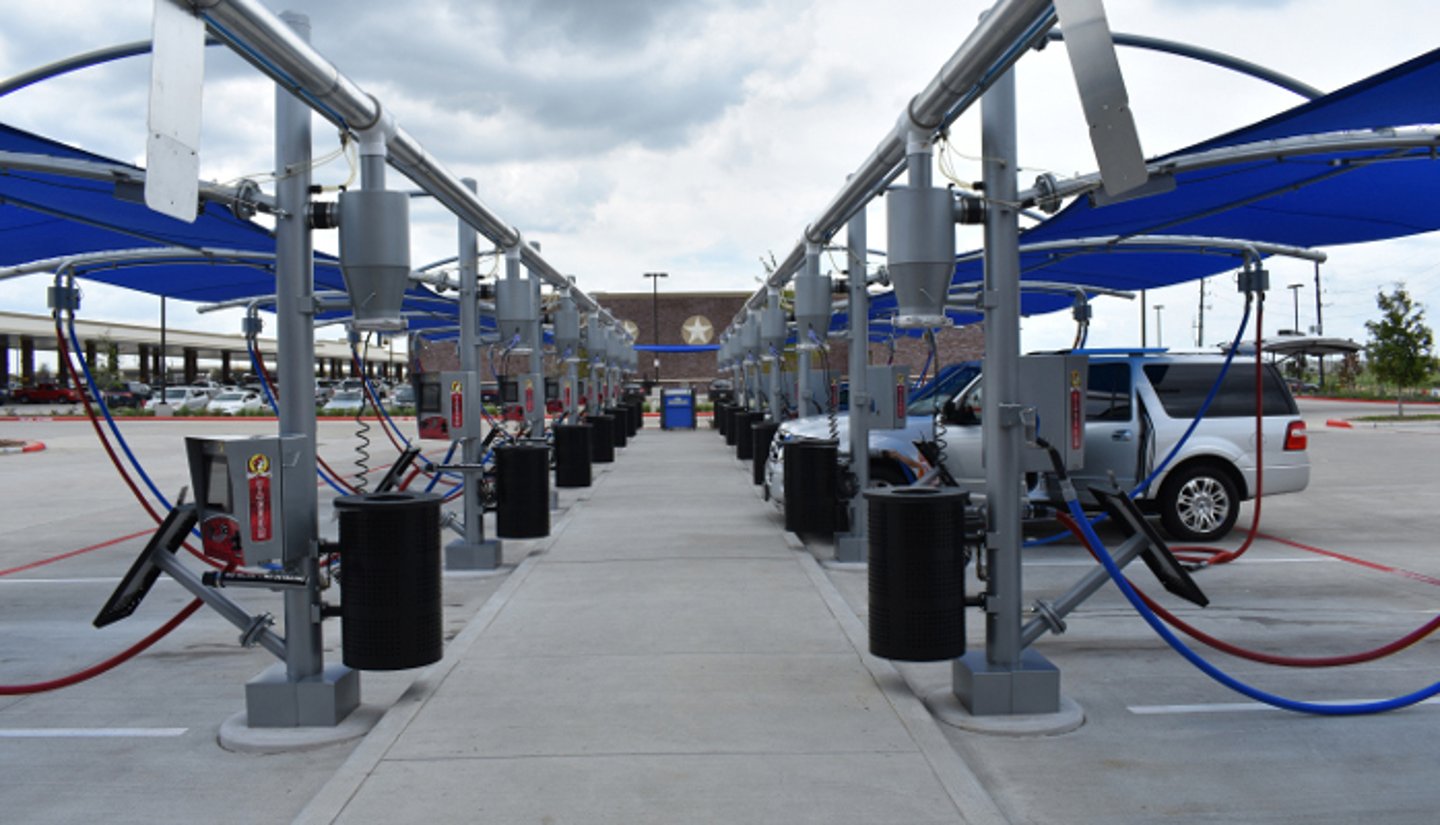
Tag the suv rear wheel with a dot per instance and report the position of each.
(1199, 502)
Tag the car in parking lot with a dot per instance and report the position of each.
(234, 402)
(121, 395)
(46, 393)
(192, 399)
(345, 402)
(1137, 408)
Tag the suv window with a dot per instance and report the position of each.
(1108, 396)
(1182, 388)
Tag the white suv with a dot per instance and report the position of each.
(1138, 407)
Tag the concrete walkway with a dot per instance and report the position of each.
(670, 657)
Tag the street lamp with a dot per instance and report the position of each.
(1159, 330)
(655, 315)
(1295, 296)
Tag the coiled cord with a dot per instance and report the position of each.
(362, 427)
(937, 426)
(831, 412)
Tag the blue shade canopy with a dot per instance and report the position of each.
(1313, 200)
(46, 215)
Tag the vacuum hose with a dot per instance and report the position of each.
(1072, 502)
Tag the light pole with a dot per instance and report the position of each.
(1159, 330)
(655, 315)
(1295, 299)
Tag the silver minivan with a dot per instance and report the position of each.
(1138, 407)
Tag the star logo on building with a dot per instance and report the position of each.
(697, 329)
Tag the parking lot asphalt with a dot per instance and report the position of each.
(668, 655)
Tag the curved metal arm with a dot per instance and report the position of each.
(1225, 61)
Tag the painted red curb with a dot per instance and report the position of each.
(1339, 422)
(29, 447)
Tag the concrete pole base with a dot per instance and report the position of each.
(273, 701)
(851, 548)
(483, 555)
(988, 689)
(947, 709)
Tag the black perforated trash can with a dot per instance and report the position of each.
(390, 608)
(636, 408)
(522, 482)
(917, 573)
(572, 455)
(732, 429)
(602, 438)
(718, 411)
(745, 439)
(762, 435)
(812, 486)
(621, 431)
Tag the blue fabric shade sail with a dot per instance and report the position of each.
(46, 215)
(1327, 199)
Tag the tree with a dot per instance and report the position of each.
(1400, 350)
(1350, 369)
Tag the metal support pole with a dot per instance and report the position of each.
(803, 389)
(854, 545)
(536, 413)
(775, 351)
(1007, 678)
(303, 691)
(164, 353)
(1079, 592)
(776, 410)
(471, 551)
(1319, 323)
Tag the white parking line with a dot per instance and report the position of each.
(1241, 707)
(91, 733)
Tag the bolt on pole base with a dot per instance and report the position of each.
(482, 555)
(272, 700)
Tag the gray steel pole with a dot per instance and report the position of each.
(537, 362)
(1008, 679)
(854, 546)
(295, 366)
(468, 252)
(804, 389)
(1001, 432)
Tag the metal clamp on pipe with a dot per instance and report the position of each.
(264, 581)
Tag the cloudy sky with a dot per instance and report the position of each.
(697, 137)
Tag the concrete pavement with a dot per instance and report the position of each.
(670, 657)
